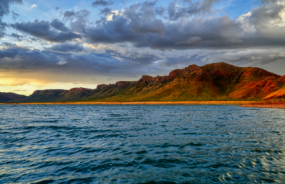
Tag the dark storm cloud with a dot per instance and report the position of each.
(43, 29)
(197, 33)
(68, 57)
(67, 48)
(57, 24)
(139, 25)
(102, 3)
(8, 53)
(20, 58)
(131, 26)
(13, 57)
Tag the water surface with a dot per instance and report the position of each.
(141, 144)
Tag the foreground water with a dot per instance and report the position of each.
(141, 144)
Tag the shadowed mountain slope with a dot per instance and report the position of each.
(58, 95)
(5, 97)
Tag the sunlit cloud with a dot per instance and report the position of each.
(33, 6)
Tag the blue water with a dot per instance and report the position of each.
(141, 144)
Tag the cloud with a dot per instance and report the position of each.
(79, 21)
(269, 1)
(18, 58)
(4, 9)
(200, 7)
(67, 48)
(105, 11)
(262, 16)
(68, 14)
(2, 28)
(102, 3)
(130, 25)
(138, 24)
(72, 58)
(159, 10)
(133, 57)
(249, 57)
(5, 5)
(15, 15)
(43, 29)
(62, 62)
(57, 24)
(17, 36)
(33, 6)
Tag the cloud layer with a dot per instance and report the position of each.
(147, 37)
(54, 31)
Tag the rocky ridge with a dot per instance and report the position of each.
(218, 81)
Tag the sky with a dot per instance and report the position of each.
(52, 44)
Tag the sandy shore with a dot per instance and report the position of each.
(141, 103)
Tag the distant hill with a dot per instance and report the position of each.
(58, 95)
(5, 97)
(218, 81)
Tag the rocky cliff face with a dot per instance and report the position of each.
(158, 79)
(123, 84)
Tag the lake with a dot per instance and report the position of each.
(141, 144)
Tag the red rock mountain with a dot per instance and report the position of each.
(218, 81)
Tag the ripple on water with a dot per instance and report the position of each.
(141, 144)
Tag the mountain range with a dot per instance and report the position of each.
(218, 81)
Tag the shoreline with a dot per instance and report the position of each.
(139, 103)
(252, 104)
(272, 106)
